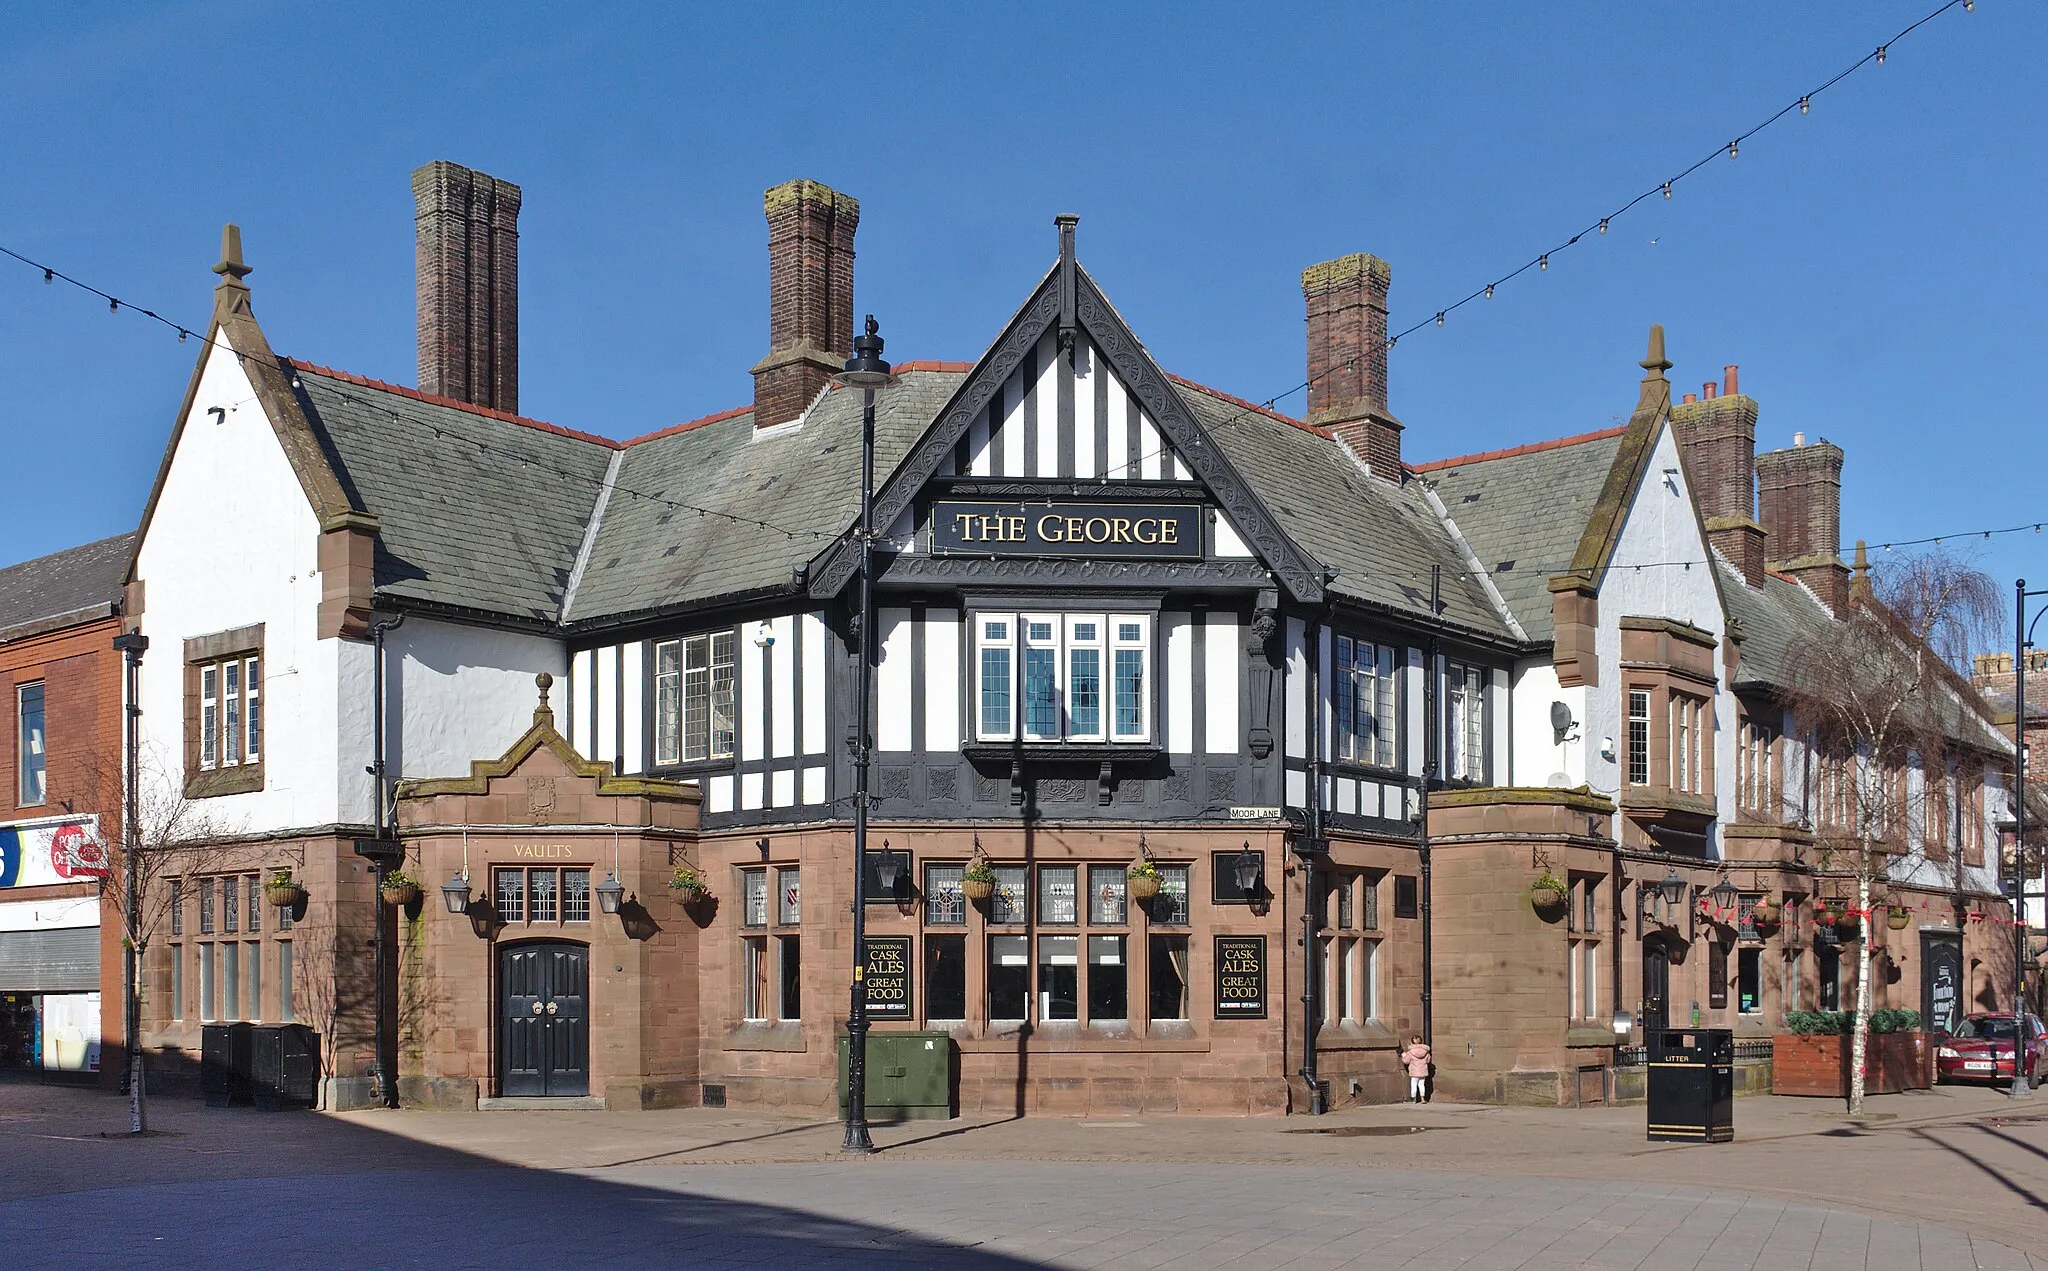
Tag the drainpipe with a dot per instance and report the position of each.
(1431, 742)
(1310, 852)
(387, 927)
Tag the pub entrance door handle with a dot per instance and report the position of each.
(538, 1008)
(551, 1008)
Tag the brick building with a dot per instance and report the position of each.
(60, 779)
(1345, 709)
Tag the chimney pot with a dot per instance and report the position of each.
(466, 231)
(1798, 439)
(1728, 381)
(1709, 390)
(1800, 492)
(810, 297)
(1347, 357)
(1689, 398)
(1718, 439)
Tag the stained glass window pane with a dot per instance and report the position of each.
(575, 895)
(1056, 900)
(1011, 897)
(508, 892)
(1106, 894)
(944, 903)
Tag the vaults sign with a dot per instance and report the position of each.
(1169, 531)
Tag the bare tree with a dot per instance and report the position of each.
(1879, 696)
(174, 836)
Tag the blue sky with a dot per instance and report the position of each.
(1875, 267)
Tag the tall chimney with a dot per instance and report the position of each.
(1718, 435)
(1347, 358)
(1800, 491)
(810, 297)
(467, 226)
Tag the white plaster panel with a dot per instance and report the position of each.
(1087, 366)
(1180, 698)
(604, 742)
(1412, 695)
(1537, 758)
(750, 790)
(460, 693)
(814, 785)
(1222, 658)
(633, 700)
(978, 461)
(718, 798)
(1229, 543)
(815, 637)
(782, 704)
(1118, 423)
(1295, 668)
(941, 679)
(782, 788)
(1047, 428)
(1297, 789)
(1011, 434)
(753, 680)
(578, 709)
(893, 675)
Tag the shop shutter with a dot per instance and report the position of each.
(61, 961)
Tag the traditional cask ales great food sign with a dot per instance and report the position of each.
(1133, 530)
(888, 977)
(1240, 977)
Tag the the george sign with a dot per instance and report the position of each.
(1240, 977)
(1136, 530)
(37, 853)
(888, 977)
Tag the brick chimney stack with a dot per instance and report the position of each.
(467, 252)
(1347, 358)
(1800, 491)
(1717, 431)
(810, 297)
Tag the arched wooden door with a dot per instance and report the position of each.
(544, 1019)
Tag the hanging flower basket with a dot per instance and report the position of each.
(400, 889)
(1847, 926)
(687, 885)
(1547, 893)
(978, 881)
(1898, 918)
(1142, 879)
(282, 891)
(1765, 914)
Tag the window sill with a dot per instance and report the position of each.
(1587, 1036)
(784, 1035)
(1062, 751)
(1357, 1035)
(214, 782)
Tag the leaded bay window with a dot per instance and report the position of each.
(1639, 737)
(693, 699)
(1365, 693)
(541, 895)
(1756, 786)
(1062, 677)
(1688, 718)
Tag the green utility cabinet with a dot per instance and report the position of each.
(911, 1076)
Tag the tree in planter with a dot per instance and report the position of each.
(1877, 692)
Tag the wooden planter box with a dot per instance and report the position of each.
(1819, 1065)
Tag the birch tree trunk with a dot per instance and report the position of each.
(1859, 1040)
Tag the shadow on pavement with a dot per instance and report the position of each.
(2003, 1178)
(299, 1189)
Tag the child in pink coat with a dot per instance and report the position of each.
(1416, 1057)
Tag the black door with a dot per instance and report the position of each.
(545, 1023)
(1656, 986)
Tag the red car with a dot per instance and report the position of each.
(1981, 1049)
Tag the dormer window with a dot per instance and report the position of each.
(1062, 677)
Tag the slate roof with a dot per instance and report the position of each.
(803, 482)
(478, 511)
(74, 585)
(1380, 537)
(1523, 511)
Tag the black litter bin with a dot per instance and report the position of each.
(224, 1064)
(300, 1085)
(280, 1075)
(1692, 1085)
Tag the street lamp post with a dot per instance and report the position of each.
(132, 645)
(866, 371)
(2024, 632)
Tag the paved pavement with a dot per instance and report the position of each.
(1951, 1180)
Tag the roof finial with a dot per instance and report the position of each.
(1067, 221)
(544, 714)
(1859, 578)
(1656, 363)
(231, 269)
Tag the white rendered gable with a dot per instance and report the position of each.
(233, 542)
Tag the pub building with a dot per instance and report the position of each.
(1124, 623)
